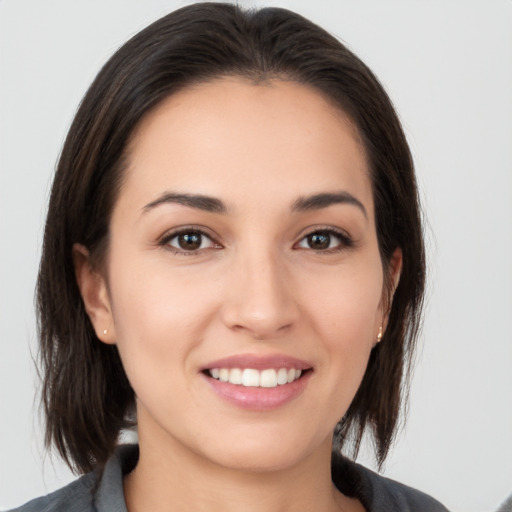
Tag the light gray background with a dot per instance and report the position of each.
(448, 67)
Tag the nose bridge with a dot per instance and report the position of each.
(261, 301)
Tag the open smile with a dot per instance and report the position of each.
(250, 377)
(258, 383)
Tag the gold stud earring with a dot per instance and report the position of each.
(379, 336)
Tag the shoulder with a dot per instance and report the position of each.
(91, 492)
(378, 493)
(506, 506)
(74, 497)
(397, 496)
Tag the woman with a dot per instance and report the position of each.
(233, 261)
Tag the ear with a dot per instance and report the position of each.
(394, 269)
(94, 292)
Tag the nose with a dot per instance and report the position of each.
(260, 301)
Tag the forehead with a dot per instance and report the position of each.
(229, 136)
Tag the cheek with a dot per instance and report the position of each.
(345, 309)
(347, 303)
(148, 295)
(158, 318)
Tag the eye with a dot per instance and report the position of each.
(325, 240)
(188, 241)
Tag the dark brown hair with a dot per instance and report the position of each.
(86, 394)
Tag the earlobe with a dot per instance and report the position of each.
(94, 292)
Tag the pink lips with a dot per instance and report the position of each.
(258, 362)
(258, 398)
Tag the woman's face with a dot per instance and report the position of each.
(243, 248)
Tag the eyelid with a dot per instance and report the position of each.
(163, 240)
(346, 241)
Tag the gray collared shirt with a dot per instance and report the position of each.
(104, 493)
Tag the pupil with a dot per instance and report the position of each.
(190, 241)
(319, 241)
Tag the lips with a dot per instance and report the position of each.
(257, 382)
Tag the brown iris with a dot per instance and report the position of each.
(319, 240)
(189, 241)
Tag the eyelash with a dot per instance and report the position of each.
(167, 238)
(345, 241)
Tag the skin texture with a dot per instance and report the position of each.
(255, 286)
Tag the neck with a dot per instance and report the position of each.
(169, 477)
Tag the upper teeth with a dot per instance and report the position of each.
(249, 377)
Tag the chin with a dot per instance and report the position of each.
(260, 461)
(264, 454)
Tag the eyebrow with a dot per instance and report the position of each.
(201, 202)
(214, 205)
(325, 199)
